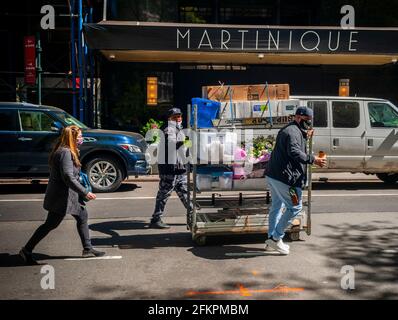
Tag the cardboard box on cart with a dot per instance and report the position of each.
(254, 92)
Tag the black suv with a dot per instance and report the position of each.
(28, 132)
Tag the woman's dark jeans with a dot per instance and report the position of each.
(53, 220)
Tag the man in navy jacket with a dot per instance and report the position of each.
(286, 176)
(172, 170)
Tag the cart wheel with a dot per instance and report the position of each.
(294, 236)
(200, 241)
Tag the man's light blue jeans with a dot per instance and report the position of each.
(278, 220)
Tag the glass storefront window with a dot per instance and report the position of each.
(165, 88)
(191, 14)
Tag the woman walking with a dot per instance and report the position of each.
(64, 194)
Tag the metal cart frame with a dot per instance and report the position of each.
(241, 213)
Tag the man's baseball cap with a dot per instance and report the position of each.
(174, 112)
(304, 111)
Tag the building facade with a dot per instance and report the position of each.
(188, 44)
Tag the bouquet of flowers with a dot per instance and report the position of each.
(151, 125)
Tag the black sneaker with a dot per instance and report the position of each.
(159, 224)
(92, 253)
(27, 257)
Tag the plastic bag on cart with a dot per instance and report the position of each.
(217, 147)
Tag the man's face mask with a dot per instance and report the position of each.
(177, 123)
(306, 124)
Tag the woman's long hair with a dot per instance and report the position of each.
(68, 140)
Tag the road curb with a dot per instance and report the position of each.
(151, 178)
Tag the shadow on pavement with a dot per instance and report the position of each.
(11, 260)
(23, 188)
(372, 250)
(14, 260)
(111, 227)
(126, 187)
(230, 252)
(40, 188)
(216, 248)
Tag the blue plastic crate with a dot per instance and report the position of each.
(207, 111)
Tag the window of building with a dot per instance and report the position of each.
(165, 88)
(346, 114)
(250, 12)
(35, 121)
(142, 10)
(195, 14)
(320, 109)
(8, 120)
(382, 115)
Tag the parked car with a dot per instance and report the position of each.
(28, 132)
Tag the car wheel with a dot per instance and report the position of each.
(389, 178)
(105, 174)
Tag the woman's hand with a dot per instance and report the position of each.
(91, 196)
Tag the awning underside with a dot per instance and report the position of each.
(246, 58)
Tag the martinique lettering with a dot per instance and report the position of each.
(278, 40)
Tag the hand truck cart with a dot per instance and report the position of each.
(236, 211)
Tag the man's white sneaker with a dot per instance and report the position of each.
(277, 245)
(267, 247)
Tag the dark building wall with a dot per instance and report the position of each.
(124, 85)
(367, 81)
(21, 18)
(120, 78)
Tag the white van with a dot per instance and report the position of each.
(357, 134)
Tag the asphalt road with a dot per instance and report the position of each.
(354, 224)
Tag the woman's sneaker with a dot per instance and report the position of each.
(92, 253)
(27, 257)
(277, 245)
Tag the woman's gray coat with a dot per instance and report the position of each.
(64, 189)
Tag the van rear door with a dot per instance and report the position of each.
(347, 135)
(381, 136)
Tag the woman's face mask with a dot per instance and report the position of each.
(79, 140)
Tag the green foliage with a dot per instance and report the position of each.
(131, 104)
(262, 144)
(152, 124)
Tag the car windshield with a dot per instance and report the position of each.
(69, 120)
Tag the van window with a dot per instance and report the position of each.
(382, 115)
(35, 121)
(8, 120)
(320, 109)
(345, 114)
